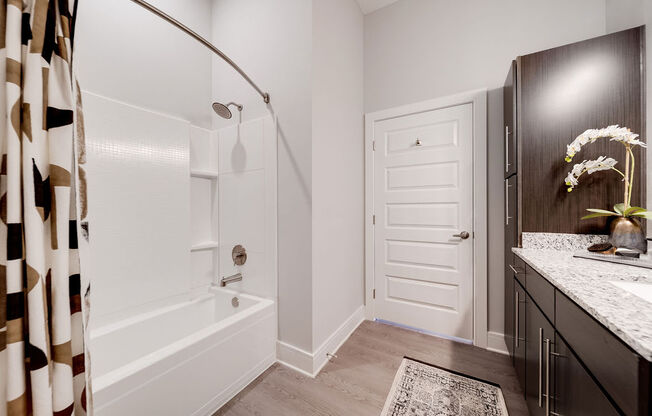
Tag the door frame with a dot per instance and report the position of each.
(478, 99)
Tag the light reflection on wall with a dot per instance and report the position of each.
(572, 85)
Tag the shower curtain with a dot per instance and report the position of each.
(43, 297)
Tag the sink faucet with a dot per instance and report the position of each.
(230, 279)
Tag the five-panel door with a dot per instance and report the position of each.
(423, 206)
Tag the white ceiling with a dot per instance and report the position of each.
(369, 6)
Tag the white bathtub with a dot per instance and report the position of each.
(185, 359)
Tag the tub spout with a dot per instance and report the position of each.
(230, 279)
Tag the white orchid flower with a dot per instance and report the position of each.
(614, 133)
(588, 166)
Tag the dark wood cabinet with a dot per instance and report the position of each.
(562, 92)
(509, 105)
(566, 362)
(538, 335)
(575, 392)
(519, 335)
(510, 306)
(564, 358)
(511, 212)
(551, 97)
(511, 270)
(618, 369)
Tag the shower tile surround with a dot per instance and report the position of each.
(247, 205)
(588, 283)
(239, 205)
(138, 158)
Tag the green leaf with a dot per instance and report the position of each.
(644, 214)
(619, 208)
(632, 210)
(602, 211)
(600, 214)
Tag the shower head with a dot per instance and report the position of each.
(223, 111)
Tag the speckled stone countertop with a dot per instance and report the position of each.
(587, 282)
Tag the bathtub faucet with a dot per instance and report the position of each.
(230, 279)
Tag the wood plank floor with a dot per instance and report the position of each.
(358, 381)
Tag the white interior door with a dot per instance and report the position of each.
(423, 203)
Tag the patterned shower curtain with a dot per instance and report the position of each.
(43, 298)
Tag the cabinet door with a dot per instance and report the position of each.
(510, 305)
(519, 332)
(539, 333)
(511, 218)
(574, 391)
(509, 114)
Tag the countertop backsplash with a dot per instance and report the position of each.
(559, 241)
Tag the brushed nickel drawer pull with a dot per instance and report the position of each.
(514, 269)
(516, 319)
(507, 186)
(507, 133)
(547, 376)
(540, 366)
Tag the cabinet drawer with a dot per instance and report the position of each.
(621, 372)
(541, 291)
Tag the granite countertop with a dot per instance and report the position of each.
(587, 282)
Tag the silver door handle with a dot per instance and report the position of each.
(507, 186)
(547, 376)
(507, 148)
(540, 369)
(516, 318)
(514, 269)
(463, 235)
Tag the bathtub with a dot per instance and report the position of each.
(185, 359)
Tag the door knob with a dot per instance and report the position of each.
(418, 143)
(463, 235)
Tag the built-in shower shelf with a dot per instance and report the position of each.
(206, 245)
(207, 174)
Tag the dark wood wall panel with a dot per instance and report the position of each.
(563, 92)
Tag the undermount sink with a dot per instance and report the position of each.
(642, 290)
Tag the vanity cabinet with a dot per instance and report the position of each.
(551, 97)
(519, 335)
(567, 363)
(510, 307)
(574, 392)
(538, 334)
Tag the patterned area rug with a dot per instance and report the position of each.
(422, 389)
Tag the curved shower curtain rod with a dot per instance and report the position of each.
(204, 42)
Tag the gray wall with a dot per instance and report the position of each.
(625, 14)
(421, 49)
(337, 165)
(272, 42)
(126, 53)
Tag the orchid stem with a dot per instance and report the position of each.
(631, 177)
(625, 202)
(619, 172)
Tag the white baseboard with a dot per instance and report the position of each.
(221, 399)
(337, 338)
(310, 364)
(496, 342)
(294, 358)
